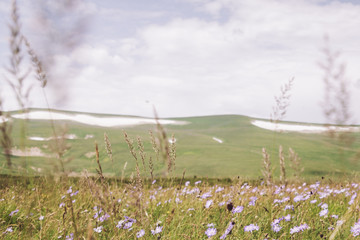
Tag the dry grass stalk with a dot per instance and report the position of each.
(108, 146)
(5, 138)
(282, 165)
(295, 161)
(60, 146)
(172, 154)
(99, 169)
(41, 76)
(151, 168)
(154, 145)
(282, 102)
(167, 153)
(138, 180)
(17, 81)
(123, 172)
(267, 172)
(141, 152)
(336, 104)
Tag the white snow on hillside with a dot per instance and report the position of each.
(301, 128)
(93, 120)
(217, 139)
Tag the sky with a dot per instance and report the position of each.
(187, 57)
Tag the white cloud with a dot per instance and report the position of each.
(232, 60)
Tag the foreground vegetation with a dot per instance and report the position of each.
(96, 208)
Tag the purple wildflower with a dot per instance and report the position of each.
(8, 230)
(157, 230)
(228, 230)
(251, 228)
(128, 225)
(300, 228)
(323, 212)
(104, 217)
(98, 229)
(69, 237)
(196, 183)
(206, 195)
(14, 212)
(355, 230)
(210, 232)
(238, 209)
(208, 203)
(140, 233)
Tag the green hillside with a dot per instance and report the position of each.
(197, 152)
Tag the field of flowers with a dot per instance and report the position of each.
(89, 208)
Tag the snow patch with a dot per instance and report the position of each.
(28, 152)
(93, 120)
(67, 136)
(278, 127)
(88, 136)
(218, 140)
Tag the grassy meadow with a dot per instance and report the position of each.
(196, 151)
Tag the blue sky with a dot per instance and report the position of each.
(193, 57)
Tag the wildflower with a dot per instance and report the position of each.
(210, 225)
(355, 230)
(157, 230)
(352, 199)
(300, 228)
(128, 225)
(208, 203)
(206, 195)
(41, 218)
(335, 216)
(221, 204)
(140, 233)
(323, 212)
(252, 201)
(8, 230)
(187, 183)
(61, 205)
(14, 212)
(191, 209)
(287, 218)
(228, 230)
(69, 237)
(153, 182)
(104, 217)
(75, 193)
(98, 229)
(251, 228)
(196, 183)
(120, 224)
(69, 190)
(238, 209)
(219, 189)
(275, 227)
(210, 232)
(289, 207)
(313, 201)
